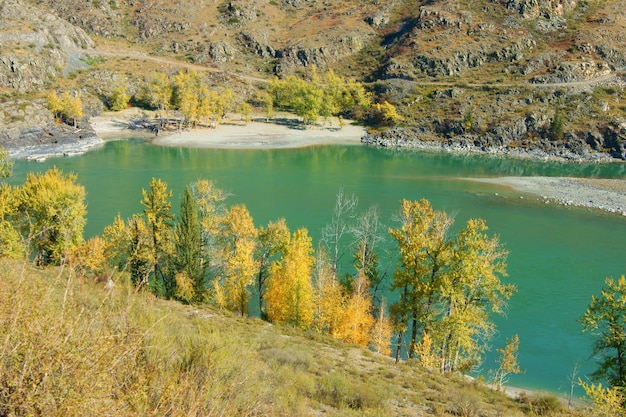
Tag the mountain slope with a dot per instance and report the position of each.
(486, 74)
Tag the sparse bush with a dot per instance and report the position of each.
(338, 391)
(540, 404)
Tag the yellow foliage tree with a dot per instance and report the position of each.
(289, 294)
(10, 241)
(606, 402)
(507, 362)
(238, 243)
(67, 107)
(91, 260)
(119, 98)
(52, 208)
(357, 320)
(380, 338)
(329, 296)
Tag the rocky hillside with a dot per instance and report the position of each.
(488, 73)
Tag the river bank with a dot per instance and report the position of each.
(417, 138)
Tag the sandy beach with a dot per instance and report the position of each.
(283, 131)
(262, 135)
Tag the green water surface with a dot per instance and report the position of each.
(558, 256)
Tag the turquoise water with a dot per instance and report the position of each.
(558, 256)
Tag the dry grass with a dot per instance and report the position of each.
(69, 347)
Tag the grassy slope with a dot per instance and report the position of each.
(71, 347)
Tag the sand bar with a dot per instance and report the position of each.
(603, 194)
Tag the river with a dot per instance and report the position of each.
(559, 256)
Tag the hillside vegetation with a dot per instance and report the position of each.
(75, 347)
(517, 74)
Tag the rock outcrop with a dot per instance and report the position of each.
(38, 49)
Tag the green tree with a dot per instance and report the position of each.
(188, 247)
(557, 126)
(158, 215)
(289, 294)
(605, 318)
(52, 211)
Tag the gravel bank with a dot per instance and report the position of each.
(602, 194)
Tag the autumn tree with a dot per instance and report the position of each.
(91, 260)
(158, 93)
(330, 300)
(116, 240)
(289, 294)
(385, 113)
(6, 165)
(209, 201)
(10, 240)
(424, 254)
(327, 95)
(448, 286)
(119, 98)
(605, 319)
(382, 330)
(356, 321)
(237, 239)
(52, 211)
(468, 293)
(272, 242)
(140, 252)
(185, 95)
(188, 249)
(507, 362)
(67, 107)
(158, 216)
(605, 401)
